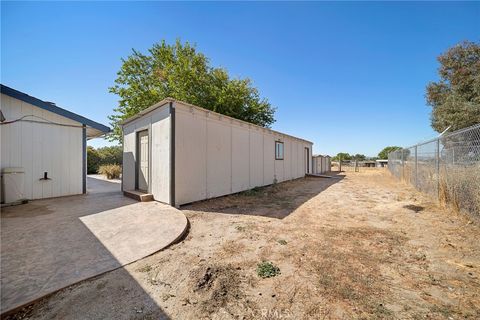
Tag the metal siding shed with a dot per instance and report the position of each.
(199, 154)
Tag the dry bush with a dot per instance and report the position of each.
(427, 178)
(460, 187)
(112, 171)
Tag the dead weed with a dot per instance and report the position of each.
(220, 288)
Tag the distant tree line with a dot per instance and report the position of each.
(454, 98)
(103, 156)
(347, 156)
(361, 157)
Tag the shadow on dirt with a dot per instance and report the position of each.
(414, 208)
(273, 201)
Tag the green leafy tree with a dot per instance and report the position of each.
(342, 156)
(385, 151)
(93, 160)
(181, 72)
(359, 157)
(455, 98)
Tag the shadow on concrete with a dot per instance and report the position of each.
(98, 184)
(274, 201)
(47, 245)
(114, 295)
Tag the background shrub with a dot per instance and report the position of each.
(111, 155)
(112, 171)
(103, 156)
(93, 160)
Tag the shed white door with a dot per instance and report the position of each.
(143, 165)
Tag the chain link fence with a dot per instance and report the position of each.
(447, 168)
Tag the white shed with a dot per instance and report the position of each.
(47, 142)
(181, 153)
(321, 164)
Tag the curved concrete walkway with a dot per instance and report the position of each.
(47, 245)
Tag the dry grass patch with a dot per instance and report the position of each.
(232, 247)
(347, 267)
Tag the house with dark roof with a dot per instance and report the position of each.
(45, 144)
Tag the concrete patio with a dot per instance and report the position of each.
(47, 245)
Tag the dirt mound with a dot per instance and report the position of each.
(218, 289)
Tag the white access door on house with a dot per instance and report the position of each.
(143, 163)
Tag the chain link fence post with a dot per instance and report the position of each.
(416, 167)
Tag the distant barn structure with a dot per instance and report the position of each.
(367, 164)
(381, 163)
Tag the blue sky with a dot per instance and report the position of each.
(350, 77)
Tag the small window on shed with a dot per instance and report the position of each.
(278, 150)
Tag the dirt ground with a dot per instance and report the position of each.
(362, 246)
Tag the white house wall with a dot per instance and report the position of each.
(40, 148)
(158, 124)
(216, 155)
